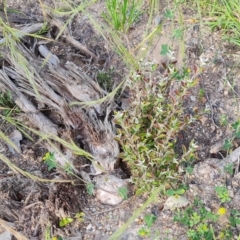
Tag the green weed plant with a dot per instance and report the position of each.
(149, 129)
(203, 224)
(222, 194)
(7, 104)
(122, 14)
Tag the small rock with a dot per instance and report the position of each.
(107, 227)
(193, 98)
(203, 100)
(213, 128)
(231, 193)
(6, 236)
(89, 227)
(15, 137)
(108, 189)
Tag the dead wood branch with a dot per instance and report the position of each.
(37, 118)
(25, 31)
(232, 158)
(57, 87)
(51, 58)
(71, 40)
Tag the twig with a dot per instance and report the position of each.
(108, 210)
(12, 231)
(70, 39)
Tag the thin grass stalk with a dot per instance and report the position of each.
(16, 169)
(136, 213)
(16, 234)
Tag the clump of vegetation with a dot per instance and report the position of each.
(50, 160)
(225, 15)
(7, 104)
(228, 143)
(122, 14)
(105, 79)
(201, 223)
(222, 194)
(149, 221)
(149, 128)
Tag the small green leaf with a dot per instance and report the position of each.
(65, 221)
(189, 169)
(227, 144)
(237, 133)
(144, 231)
(180, 191)
(170, 192)
(50, 160)
(236, 125)
(168, 14)
(80, 216)
(165, 49)
(237, 220)
(150, 219)
(90, 188)
(123, 192)
(229, 168)
(177, 33)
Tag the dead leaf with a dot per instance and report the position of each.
(223, 220)
(174, 202)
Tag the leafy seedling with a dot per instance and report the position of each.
(176, 193)
(150, 219)
(168, 14)
(222, 194)
(189, 169)
(50, 160)
(80, 217)
(201, 93)
(229, 168)
(223, 120)
(177, 33)
(144, 232)
(234, 217)
(194, 219)
(236, 127)
(6, 103)
(227, 144)
(90, 188)
(65, 221)
(165, 49)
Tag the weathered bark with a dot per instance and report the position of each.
(57, 87)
